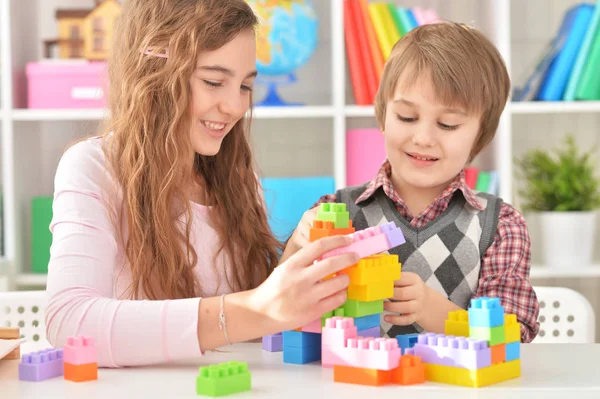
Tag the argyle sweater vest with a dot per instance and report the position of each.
(446, 253)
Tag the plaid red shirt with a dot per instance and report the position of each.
(505, 265)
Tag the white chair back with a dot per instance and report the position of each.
(25, 310)
(566, 316)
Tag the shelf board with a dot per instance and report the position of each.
(98, 114)
(564, 272)
(554, 107)
(360, 111)
(31, 279)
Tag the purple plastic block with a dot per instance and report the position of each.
(273, 342)
(41, 365)
(447, 350)
(394, 234)
(374, 332)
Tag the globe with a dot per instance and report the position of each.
(286, 40)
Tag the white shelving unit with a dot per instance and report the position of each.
(32, 140)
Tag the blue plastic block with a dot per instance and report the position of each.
(486, 312)
(288, 198)
(307, 354)
(406, 341)
(366, 322)
(513, 351)
(300, 339)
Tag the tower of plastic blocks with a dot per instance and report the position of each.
(80, 359)
(480, 346)
(371, 280)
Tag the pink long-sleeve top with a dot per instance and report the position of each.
(88, 273)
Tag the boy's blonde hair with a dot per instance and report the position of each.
(466, 70)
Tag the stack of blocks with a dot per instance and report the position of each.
(11, 333)
(77, 362)
(371, 281)
(480, 346)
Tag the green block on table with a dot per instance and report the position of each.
(41, 237)
(223, 379)
(337, 312)
(494, 335)
(336, 213)
(353, 308)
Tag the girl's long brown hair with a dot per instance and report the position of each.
(150, 154)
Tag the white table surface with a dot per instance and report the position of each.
(547, 370)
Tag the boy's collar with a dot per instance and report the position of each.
(382, 179)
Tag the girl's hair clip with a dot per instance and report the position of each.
(152, 51)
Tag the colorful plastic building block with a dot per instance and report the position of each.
(493, 335)
(498, 353)
(80, 350)
(339, 312)
(486, 312)
(513, 351)
(273, 342)
(334, 212)
(473, 378)
(371, 241)
(41, 365)
(299, 339)
(374, 269)
(354, 308)
(460, 352)
(457, 323)
(367, 322)
(361, 376)
(337, 330)
(364, 352)
(371, 292)
(323, 229)
(406, 341)
(374, 332)
(301, 355)
(80, 372)
(410, 371)
(223, 379)
(512, 329)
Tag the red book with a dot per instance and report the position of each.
(471, 175)
(363, 45)
(357, 73)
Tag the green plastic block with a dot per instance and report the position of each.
(223, 379)
(353, 308)
(337, 312)
(336, 213)
(41, 237)
(494, 335)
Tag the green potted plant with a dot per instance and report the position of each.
(563, 189)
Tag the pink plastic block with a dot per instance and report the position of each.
(370, 241)
(313, 327)
(364, 352)
(447, 350)
(54, 85)
(80, 350)
(337, 331)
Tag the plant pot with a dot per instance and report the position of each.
(568, 238)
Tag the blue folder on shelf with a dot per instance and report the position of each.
(287, 198)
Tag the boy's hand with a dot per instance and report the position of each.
(301, 236)
(411, 294)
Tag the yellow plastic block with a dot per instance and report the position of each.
(371, 292)
(512, 329)
(374, 269)
(457, 323)
(473, 378)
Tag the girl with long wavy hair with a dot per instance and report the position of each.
(161, 247)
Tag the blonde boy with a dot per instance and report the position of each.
(443, 90)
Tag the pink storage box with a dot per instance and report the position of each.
(365, 152)
(57, 85)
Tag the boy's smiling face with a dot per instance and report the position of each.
(427, 142)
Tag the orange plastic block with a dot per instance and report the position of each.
(410, 371)
(81, 372)
(360, 376)
(323, 229)
(498, 353)
(457, 323)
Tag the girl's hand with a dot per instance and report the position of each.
(411, 294)
(294, 294)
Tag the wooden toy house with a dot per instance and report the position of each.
(85, 33)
